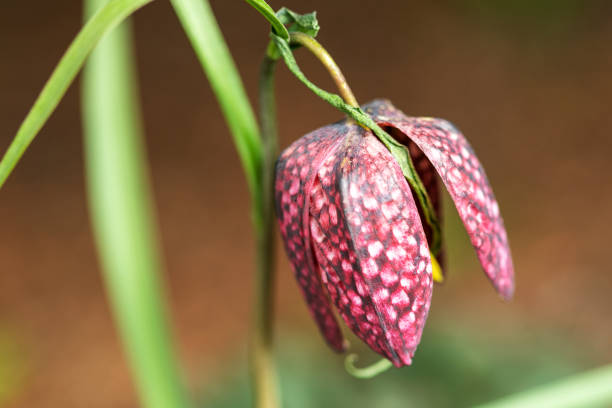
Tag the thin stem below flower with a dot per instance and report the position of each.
(206, 38)
(263, 373)
(321, 53)
(370, 371)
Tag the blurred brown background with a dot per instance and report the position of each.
(529, 84)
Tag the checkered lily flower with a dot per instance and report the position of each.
(353, 232)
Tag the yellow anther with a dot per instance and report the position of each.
(436, 271)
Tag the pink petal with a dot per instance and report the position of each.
(374, 255)
(465, 179)
(295, 171)
(429, 176)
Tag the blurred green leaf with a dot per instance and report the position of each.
(591, 389)
(123, 219)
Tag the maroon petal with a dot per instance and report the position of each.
(429, 177)
(295, 171)
(371, 247)
(465, 179)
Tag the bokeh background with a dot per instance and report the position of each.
(528, 82)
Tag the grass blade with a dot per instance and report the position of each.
(63, 75)
(122, 215)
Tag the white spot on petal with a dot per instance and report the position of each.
(435, 155)
(400, 298)
(380, 295)
(388, 276)
(354, 191)
(389, 210)
(406, 321)
(370, 202)
(375, 248)
(370, 269)
(396, 253)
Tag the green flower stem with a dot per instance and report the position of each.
(328, 62)
(122, 215)
(263, 372)
(585, 390)
(100, 23)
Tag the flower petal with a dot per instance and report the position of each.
(295, 172)
(429, 177)
(371, 247)
(467, 183)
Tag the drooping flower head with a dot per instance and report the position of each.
(353, 232)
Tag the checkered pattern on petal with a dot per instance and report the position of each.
(429, 177)
(467, 183)
(295, 172)
(371, 247)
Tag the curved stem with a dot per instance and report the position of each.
(370, 371)
(263, 372)
(321, 53)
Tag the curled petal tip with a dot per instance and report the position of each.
(506, 290)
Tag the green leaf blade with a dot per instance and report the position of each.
(122, 215)
(588, 389)
(63, 75)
